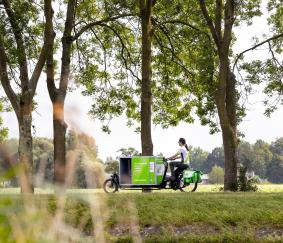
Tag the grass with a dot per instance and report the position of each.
(88, 215)
(201, 188)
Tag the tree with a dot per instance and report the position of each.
(216, 157)
(20, 43)
(43, 164)
(219, 17)
(274, 170)
(84, 169)
(127, 152)
(121, 93)
(43, 161)
(111, 165)
(146, 93)
(245, 155)
(78, 20)
(198, 158)
(216, 176)
(267, 70)
(276, 147)
(225, 95)
(57, 95)
(261, 158)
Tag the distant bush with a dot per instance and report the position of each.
(245, 184)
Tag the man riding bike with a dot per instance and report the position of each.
(183, 155)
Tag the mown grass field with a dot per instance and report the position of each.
(93, 216)
(201, 188)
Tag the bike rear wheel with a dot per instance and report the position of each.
(110, 186)
(188, 187)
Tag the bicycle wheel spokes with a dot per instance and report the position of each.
(110, 186)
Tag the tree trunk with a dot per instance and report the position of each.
(25, 153)
(146, 95)
(230, 147)
(22, 102)
(59, 139)
(57, 95)
(226, 94)
(226, 100)
(230, 179)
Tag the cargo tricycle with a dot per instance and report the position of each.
(150, 173)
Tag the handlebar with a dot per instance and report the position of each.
(165, 161)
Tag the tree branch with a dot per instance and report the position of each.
(228, 24)
(174, 58)
(255, 46)
(209, 23)
(5, 79)
(49, 36)
(218, 18)
(20, 45)
(177, 21)
(67, 41)
(122, 51)
(99, 22)
(52, 90)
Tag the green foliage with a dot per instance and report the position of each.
(127, 152)
(111, 165)
(274, 170)
(268, 70)
(43, 160)
(275, 8)
(275, 167)
(216, 157)
(261, 158)
(28, 15)
(245, 154)
(216, 176)
(89, 170)
(3, 130)
(198, 158)
(184, 62)
(245, 184)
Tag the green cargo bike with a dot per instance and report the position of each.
(150, 173)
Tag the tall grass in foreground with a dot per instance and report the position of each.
(136, 217)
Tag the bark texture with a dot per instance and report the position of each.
(146, 94)
(25, 149)
(226, 94)
(58, 95)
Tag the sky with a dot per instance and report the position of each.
(255, 125)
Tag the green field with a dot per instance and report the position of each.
(201, 188)
(93, 216)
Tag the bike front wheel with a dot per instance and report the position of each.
(110, 186)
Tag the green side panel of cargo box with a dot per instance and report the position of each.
(140, 170)
(159, 170)
(151, 177)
